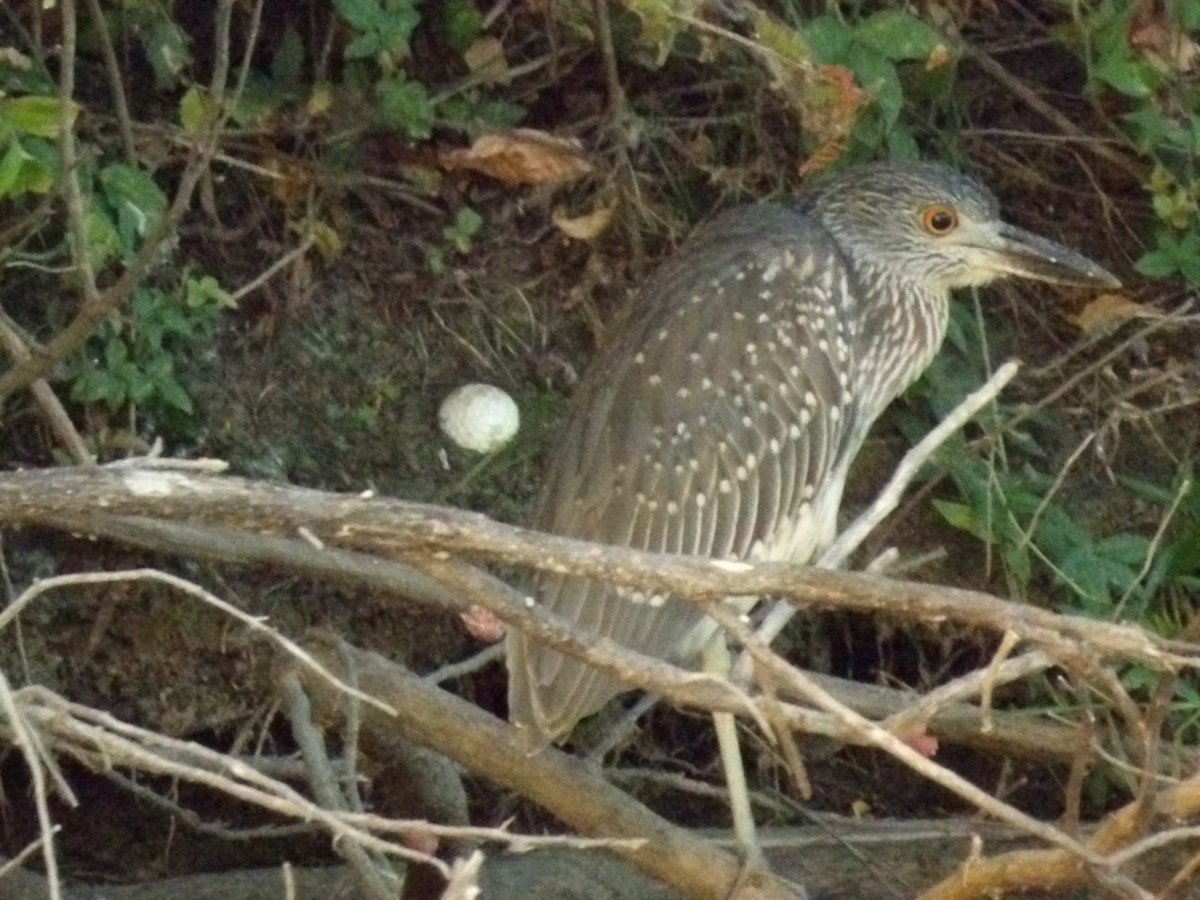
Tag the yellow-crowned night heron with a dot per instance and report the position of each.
(725, 411)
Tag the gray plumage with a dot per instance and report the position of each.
(722, 418)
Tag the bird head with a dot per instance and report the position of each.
(934, 228)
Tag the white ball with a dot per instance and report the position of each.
(479, 417)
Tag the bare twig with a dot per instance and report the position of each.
(116, 86)
(880, 737)
(474, 663)
(275, 268)
(56, 416)
(256, 624)
(22, 732)
(374, 882)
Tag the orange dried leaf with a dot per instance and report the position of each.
(1108, 311)
(941, 56)
(588, 226)
(292, 180)
(522, 156)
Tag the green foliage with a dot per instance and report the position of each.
(384, 28)
(1016, 513)
(1038, 532)
(138, 357)
(28, 126)
(882, 50)
(381, 71)
(404, 106)
(1163, 121)
(461, 24)
(152, 26)
(133, 204)
(134, 355)
(459, 235)
(131, 360)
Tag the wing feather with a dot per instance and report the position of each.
(695, 432)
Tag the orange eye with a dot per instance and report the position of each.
(939, 220)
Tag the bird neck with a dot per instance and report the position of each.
(900, 336)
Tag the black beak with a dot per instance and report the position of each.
(1018, 252)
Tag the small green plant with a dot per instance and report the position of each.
(379, 67)
(459, 234)
(1006, 499)
(134, 355)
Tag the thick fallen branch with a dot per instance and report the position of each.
(416, 532)
(1056, 870)
(1003, 732)
(573, 791)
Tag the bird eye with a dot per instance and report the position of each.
(939, 220)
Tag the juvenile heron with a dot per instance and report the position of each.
(724, 413)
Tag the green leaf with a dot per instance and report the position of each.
(21, 172)
(1130, 549)
(196, 110)
(467, 222)
(10, 166)
(206, 291)
(364, 46)
(461, 23)
(175, 396)
(397, 27)
(138, 202)
(1086, 573)
(103, 242)
(1128, 75)
(139, 388)
(902, 144)
(115, 353)
(1018, 562)
(99, 387)
(405, 105)
(362, 14)
(383, 28)
(37, 115)
(898, 35)
(829, 39)
(287, 64)
(962, 517)
(482, 114)
(1153, 130)
(166, 49)
(1156, 264)
(261, 100)
(877, 76)
(466, 225)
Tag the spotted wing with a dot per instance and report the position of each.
(714, 425)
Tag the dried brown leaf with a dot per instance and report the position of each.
(588, 226)
(1108, 311)
(521, 156)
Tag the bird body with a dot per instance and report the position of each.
(724, 413)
